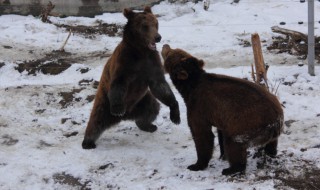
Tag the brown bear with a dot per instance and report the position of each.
(244, 113)
(132, 80)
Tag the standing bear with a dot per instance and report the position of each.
(244, 113)
(132, 80)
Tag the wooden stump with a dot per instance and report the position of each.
(260, 73)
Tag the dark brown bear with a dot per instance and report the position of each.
(245, 113)
(131, 81)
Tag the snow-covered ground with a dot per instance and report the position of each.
(43, 117)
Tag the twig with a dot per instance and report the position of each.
(252, 74)
(65, 42)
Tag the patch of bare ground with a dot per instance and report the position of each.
(309, 179)
(91, 31)
(56, 62)
(8, 140)
(286, 171)
(68, 97)
(69, 180)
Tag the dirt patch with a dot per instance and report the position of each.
(288, 123)
(1, 64)
(244, 43)
(39, 111)
(75, 133)
(7, 47)
(309, 179)
(44, 144)
(53, 63)
(67, 179)
(107, 166)
(9, 141)
(91, 31)
(56, 62)
(283, 44)
(285, 171)
(68, 97)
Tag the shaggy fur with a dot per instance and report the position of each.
(245, 113)
(131, 81)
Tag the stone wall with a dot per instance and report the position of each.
(87, 8)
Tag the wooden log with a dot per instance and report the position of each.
(260, 68)
(293, 34)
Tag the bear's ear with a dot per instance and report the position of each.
(128, 13)
(201, 63)
(147, 9)
(194, 61)
(182, 75)
(189, 60)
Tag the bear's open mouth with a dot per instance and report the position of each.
(152, 46)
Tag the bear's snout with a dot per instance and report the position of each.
(157, 38)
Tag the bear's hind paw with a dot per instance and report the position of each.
(148, 128)
(197, 167)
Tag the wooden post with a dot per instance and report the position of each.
(311, 50)
(261, 69)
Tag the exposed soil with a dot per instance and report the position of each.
(56, 62)
(283, 44)
(285, 175)
(91, 31)
(69, 180)
(308, 180)
(68, 97)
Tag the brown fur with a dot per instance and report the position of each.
(245, 113)
(131, 81)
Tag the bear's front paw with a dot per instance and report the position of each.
(175, 116)
(88, 144)
(118, 110)
(197, 167)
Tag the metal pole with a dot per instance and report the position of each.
(311, 50)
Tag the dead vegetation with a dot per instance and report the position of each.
(56, 62)
(87, 31)
(91, 31)
(46, 12)
(293, 43)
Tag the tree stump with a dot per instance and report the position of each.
(259, 74)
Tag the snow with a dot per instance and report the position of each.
(35, 152)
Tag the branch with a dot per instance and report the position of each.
(293, 34)
(45, 12)
(65, 42)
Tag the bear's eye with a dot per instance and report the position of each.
(145, 27)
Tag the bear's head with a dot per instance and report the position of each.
(180, 64)
(141, 28)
